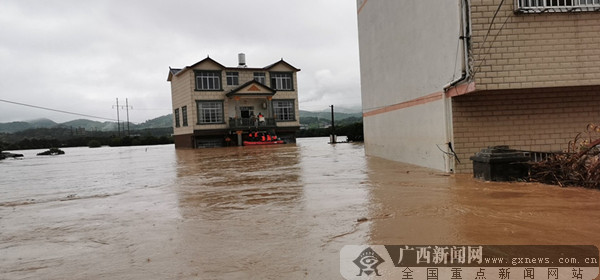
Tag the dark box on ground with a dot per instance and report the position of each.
(500, 163)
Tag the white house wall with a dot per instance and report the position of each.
(408, 136)
(409, 50)
(181, 96)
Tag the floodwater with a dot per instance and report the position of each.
(278, 212)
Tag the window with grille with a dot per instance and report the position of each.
(176, 113)
(232, 78)
(210, 112)
(184, 116)
(284, 110)
(282, 81)
(260, 77)
(208, 80)
(541, 6)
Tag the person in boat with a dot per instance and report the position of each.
(261, 118)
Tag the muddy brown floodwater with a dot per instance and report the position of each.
(280, 212)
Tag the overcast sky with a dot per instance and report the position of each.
(80, 56)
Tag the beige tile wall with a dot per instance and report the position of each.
(533, 50)
(528, 119)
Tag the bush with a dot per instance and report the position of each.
(94, 144)
(354, 132)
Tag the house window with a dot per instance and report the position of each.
(282, 81)
(208, 80)
(210, 112)
(284, 110)
(232, 78)
(540, 6)
(260, 77)
(176, 113)
(184, 115)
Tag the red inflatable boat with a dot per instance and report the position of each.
(262, 138)
(250, 143)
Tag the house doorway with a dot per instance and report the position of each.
(246, 111)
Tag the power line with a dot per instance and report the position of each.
(488, 33)
(489, 49)
(492, 22)
(55, 110)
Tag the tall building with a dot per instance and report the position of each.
(443, 79)
(215, 105)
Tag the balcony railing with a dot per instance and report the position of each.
(247, 123)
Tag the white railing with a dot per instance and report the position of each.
(556, 6)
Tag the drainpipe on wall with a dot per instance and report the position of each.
(466, 37)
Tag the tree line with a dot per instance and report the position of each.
(353, 131)
(44, 138)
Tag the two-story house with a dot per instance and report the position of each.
(215, 105)
(443, 79)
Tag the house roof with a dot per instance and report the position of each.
(251, 88)
(179, 71)
(281, 62)
(172, 72)
(206, 59)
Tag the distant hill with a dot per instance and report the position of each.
(164, 121)
(88, 125)
(12, 127)
(41, 123)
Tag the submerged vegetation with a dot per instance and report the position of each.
(4, 155)
(94, 144)
(91, 142)
(43, 138)
(52, 152)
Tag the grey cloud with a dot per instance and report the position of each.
(81, 55)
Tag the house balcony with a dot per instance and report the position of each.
(251, 124)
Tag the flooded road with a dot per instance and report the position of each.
(280, 212)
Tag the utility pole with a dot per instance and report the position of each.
(118, 122)
(332, 137)
(127, 106)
